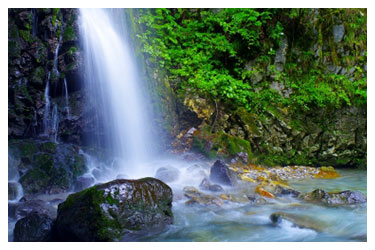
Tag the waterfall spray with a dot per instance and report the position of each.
(114, 86)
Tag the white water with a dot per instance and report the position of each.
(66, 99)
(115, 90)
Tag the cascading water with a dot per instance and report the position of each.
(115, 90)
(67, 110)
(50, 117)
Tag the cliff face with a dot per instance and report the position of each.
(305, 117)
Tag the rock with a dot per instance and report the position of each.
(22, 209)
(282, 190)
(34, 227)
(84, 182)
(115, 210)
(196, 197)
(298, 220)
(221, 173)
(338, 32)
(261, 191)
(335, 198)
(206, 185)
(167, 174)
(215, 188)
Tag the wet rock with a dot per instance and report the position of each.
(221, 173)
(335, 198)
(114, 210)
(22, 209)
(338, 32)
(167, 174)
(32, 228)
(84, 182)
(263, 192)
(206, 185)
(298, 220)
(282, 190)
(198, 198)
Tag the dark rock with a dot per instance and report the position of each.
(280, 190)
(167, 174)
(221, 173)
(335, 198)
(206, 185)
(34, 227)
(298, 220)
(117, 209)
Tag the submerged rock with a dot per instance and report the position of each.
(206, 185)
(167, 174)
(196, 197)
(335, 198)
(221, 173)
(298, 220)
(115, 210)
(34, 227)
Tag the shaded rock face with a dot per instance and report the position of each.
(34, 227)
(115, 210)
(338, 198)
(206, 185)
(221, 173)
(47, 167)
(33, 36)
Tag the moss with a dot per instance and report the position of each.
(26, 35)
(91, 199)
(44, 162)
(49, 147)
(69, 34)
(249, 119)
(78, 167)
(14, 49)
(37, 75)
(27, 150)
(71, 51)
(34, 181)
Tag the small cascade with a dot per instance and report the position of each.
(50, 117)
(55, 123)
(47, 107)
(34, 26)
(66, 99)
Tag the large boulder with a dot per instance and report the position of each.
(221, 173)
(335, 198)
(116, 210)
(33, 227)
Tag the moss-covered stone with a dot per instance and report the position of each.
(26, 35)
(44, 162)
(49, 147)
(27, 150)
(110, 211)
(34, 181)
(69, 34)
(14, 49)
(38, 76)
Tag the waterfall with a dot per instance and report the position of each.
(114, 87)
(66, 99)
(50, 117)
(46, 107)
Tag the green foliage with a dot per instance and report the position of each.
(69, 34)
(208, 52)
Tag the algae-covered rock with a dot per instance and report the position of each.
(221, 173)
(335, 198)
(115, 210)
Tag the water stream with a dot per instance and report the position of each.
(115, 89)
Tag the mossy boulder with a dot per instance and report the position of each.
(115, 210)
(346, 197)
